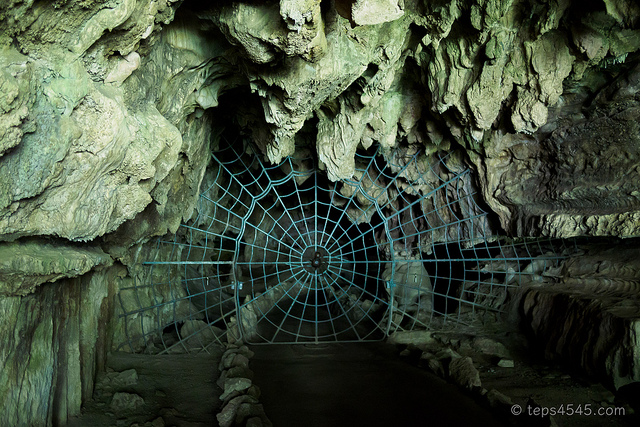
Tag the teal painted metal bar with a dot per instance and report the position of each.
(279, 254)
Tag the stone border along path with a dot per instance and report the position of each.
(240, 405)
(480, 365)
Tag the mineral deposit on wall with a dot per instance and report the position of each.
(108, 110)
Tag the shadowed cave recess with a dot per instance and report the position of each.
(219, 213)
(280, 254)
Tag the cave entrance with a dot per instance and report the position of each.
(280, 254)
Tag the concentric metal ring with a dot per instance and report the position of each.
(278, 254)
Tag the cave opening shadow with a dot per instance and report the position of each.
(449, 267)
(357, 384)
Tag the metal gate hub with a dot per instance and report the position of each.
(316, 260)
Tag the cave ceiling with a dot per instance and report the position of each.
(109, 109)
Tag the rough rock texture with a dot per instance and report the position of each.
(360, 64)
(108, 111)
(464, 374)
(472, 364)
(54, 340)
(17, 85)
(88, 142)
(240, 396)
(591, 316)
(104, 114)
(123, 403)
(521, 85)
(577, 175)
(25, 265)
(87, 161)
(105, 133)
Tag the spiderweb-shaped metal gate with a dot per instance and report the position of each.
(279, 254)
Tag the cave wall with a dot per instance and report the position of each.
(53, 341)
(95, 160)
(108, 110)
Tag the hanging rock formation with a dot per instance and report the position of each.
(108, 111)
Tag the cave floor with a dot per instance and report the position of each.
(356, 384)
(348, 384)
(368, 384)
(176, 390)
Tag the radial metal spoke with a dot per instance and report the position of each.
(278, 254)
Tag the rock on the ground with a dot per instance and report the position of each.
(126, 403)
(230, 360)
(197, 334)
(430, 361)
(113, 381)
(506, 363)
(490, 347)
(249, 410)
(234, 372)
(228, 414)
(234, 385)
(417, 338)
(464, 374)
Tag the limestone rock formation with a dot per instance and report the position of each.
(54, 341)
(303, 61)
(589, 156)
(108, 111)
(24, 266)
(590, 318)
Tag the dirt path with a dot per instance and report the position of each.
(356, 385)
